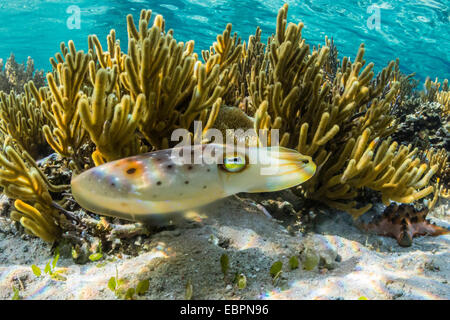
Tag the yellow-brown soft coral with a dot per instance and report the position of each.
(21, 118)
(340, 121)
(21, 179)
(158, 78)
(178, 89)
(111, 123)
(435, 91)
(116, 103)
(59, 102)
(14, 76)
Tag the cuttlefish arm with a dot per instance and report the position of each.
(182, 178)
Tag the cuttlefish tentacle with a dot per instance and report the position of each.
(183, 178)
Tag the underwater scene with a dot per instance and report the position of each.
(224, 150)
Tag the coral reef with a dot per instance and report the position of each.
(403, 222)
(21, 119)
(111, 123)
(424, 122)
(435, 91)
(13, 76)
(178, 88)
(343, 121)
(93, 100)
(107, 103)
(21, 179)
(59, 102)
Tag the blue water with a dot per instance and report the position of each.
(416, 31)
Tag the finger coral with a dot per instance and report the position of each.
(22, 180)
(394, 171)
(177, 87)
(162, 78)
(59, 101)
(110, 123)
(251, 61)
(434, 91)
(21, 118)
(113, 102)
(13, 76)
(342, 121)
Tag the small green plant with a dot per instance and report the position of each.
(275, 270)
(189, 290)
(50, 269)
(112, 284)
(241, 281)
(105, 262)
(16, 295)
(224, 264)
(97, 255)
(115, 284)
(130, 293)
(75, 254)
(142, 287)
(36, 270)
(101, 264)
(311, 260)
(293, 263)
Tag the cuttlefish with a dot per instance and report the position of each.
(175, 180)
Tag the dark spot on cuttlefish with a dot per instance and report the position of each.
(131, 170)
(404, 222)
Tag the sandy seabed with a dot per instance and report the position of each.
(364, 265)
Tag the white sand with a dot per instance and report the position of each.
(371, 266)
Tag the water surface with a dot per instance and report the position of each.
(416, 31)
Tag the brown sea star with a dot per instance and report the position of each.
(403, 222)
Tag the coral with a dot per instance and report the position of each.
(342, 120)
(177, 87)
(332, 63)
(59, 102)
(21, 179)
(13, 76)
(397, 173)
(423, 125)
(163, 78)
(408, 84)
(21, 118)
(251, 61)
(403, 222)
(111, 124)
(439, 157)
(107, 104)
(426, 126)
(119, 103)
(434, 91)
(232, 118)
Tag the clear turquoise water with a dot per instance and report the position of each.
(416, 31)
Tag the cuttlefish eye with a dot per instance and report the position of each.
(234, 163)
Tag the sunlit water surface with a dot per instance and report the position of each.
(416, 31)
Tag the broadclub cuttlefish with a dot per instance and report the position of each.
(150, 186)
